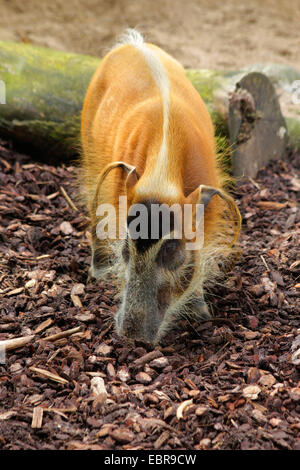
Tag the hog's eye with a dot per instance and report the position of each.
(170, 255)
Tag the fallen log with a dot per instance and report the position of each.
(44, 94)
(44, 90)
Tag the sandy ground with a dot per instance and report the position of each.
(199, 33)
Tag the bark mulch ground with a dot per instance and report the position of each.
(230, 383)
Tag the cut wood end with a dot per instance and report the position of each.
(37, 417)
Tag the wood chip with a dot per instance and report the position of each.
(42, 326)
(212, 363)
(7, 415)
(161, 440)
(49, 375)
(111, 370)
(275, 422)
(159, 362)
(31, 283)
(122, 435)
(37, 417)
(78, 289)
(61, 411)
(270, 205)
(85, 317)
(98, 389)
(276, 276)
(295, 394)
(76, 300)
(143, 378)
(205, 443)
(140, 361)
(66, 228)
(252, 392)
(52, 196)
(14, 291)
(182, 407)
(251, 334)
(258, 416)
(105, 429)
(104, 349)
(79, 445)
(123, 374)
(267, 380)
(201, 410)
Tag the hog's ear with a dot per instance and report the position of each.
(131, 180)
(203, 195)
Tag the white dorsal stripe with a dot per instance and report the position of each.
(160, 76)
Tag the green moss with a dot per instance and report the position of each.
(293, 126)
(43, 82)
(206, 83)
(44, 95)
(224, 154)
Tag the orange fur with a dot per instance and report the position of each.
(122, 120)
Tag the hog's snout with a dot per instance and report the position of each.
(139, 324)
(140, 315)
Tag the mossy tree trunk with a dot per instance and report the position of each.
(44, 94)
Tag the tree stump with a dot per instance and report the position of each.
(257, 129)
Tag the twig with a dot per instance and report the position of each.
(61, 411)
(52, 196)
(56, 352)
(103, 333)
(42, 257)
(49, 375)
(141, 361)
(254, 183)
(15, 343)
(62, 334)
(68, 199)
(265, 263)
